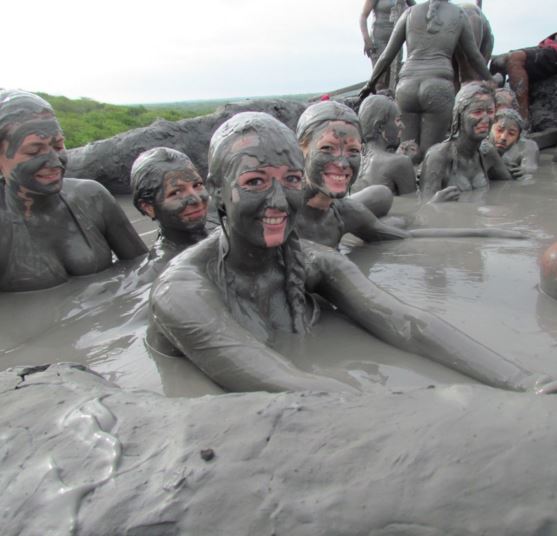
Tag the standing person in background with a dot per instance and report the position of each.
(425, 92)
(376, 40)
(527, 65)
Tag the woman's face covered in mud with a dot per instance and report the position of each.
(32, 152)
(256, 175)
(329, 135)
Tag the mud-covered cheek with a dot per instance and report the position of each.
(354, 162)
(316, 164)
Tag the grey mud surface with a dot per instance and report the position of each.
(80, 455)
(487, 287)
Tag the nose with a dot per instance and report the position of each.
(277, 197)
(56, 159)
(342, 161)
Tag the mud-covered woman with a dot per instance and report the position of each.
(329, 136)
(52, 227)
(463, 160)
(425, 92)
(222, 301)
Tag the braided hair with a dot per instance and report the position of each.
(263, 137)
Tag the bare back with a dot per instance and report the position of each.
(430, 54)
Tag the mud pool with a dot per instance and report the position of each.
(486, 287)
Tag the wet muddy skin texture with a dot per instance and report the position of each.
(462, 160)
(402, 459)
(425, 93)
(109, 161)
(167, 188)
(81, 456)
(381, 134)
(52, 227)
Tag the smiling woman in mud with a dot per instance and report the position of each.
(433, 31)
(52, 228)
(462, 160)
(167, 187)
(222, 301)
(329, 135)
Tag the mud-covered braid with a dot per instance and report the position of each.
(272, 144)
(434, 23)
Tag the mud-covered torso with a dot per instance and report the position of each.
(258, 302)
(467, 174)
(321, 226)
(45, 249)
(430, 53)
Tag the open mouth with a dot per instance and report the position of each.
(274, 227)
(337, 182)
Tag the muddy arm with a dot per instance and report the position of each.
(434, 171)
(369, 6)
(188, 309)
(468, 45)
(119, 232)
(362, 223)
(415, 330)
(398, 37)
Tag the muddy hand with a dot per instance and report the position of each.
(451, 193)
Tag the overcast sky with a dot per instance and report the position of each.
(121, 51)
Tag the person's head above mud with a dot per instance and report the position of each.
(506, 130)
(52, 227)
(382, 129)
(458, 161)
(381, 122)
(505, 98)
(520, 154)
(329, 136)
(222, 300)
(167, 187)
(473, 111)
(433, 31)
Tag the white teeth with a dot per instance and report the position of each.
(273, 221)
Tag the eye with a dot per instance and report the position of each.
(198, 185)
(354, 151)
(172, 193)
(254, 182)
(293, 181)
(326, 148)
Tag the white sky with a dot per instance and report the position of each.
(121, 51)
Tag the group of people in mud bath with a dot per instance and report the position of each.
(267, 260)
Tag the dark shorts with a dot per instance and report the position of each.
(541, 63)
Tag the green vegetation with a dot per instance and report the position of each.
(85, 120)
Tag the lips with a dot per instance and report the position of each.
(194, 214)
(274, 218)
(337, 179)
(49, 176)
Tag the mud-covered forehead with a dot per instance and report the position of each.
(465, 97)
(374, 109)
(256, 135)
(149, 168)
(316, 115)
(507, 115)
(17, 107)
